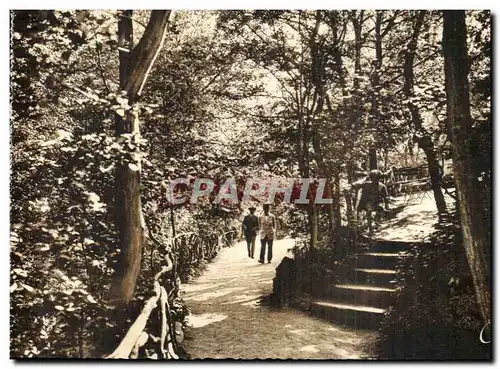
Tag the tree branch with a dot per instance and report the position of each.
(141, 58)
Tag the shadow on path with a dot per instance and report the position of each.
(411, 221)
(231, 319)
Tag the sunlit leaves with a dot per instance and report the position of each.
(20, 272)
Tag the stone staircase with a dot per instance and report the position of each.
(368, 289)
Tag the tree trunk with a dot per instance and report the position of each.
(135, 65)
(435, 173)
(317, 79)
(372, 158)
(336, 201)
(313, 225)
(325, 173)
(172, 220)
(375, 119)
(424, 139)
(475, 226)
(332, 221)
(357, 24)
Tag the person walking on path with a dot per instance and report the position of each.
(267, 226)
(250, 227)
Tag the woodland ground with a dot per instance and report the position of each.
(228, 319)
(415, 220)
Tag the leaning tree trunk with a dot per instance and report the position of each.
(426, 144)
(424, 139)
(475, 226)
(135, 65)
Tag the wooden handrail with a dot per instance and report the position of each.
(418, 180)
(133, 335)
(136, 337)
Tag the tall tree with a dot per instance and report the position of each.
(372, 153)
(135, 65)
(423, 138)
(475, 225)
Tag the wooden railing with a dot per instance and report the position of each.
(184, 250)
(136, 336)
(192, 249)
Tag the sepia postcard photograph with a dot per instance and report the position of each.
(254, 184)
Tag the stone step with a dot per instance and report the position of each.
(365, 295)
(377, 277)
(378, 260)
(358, 316)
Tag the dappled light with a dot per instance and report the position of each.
(250, 184)
(198, 321)
(414, 222)
(251, 329)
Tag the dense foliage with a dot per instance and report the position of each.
(63, 239)
(242, 94)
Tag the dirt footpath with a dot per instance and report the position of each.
(228, 321)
